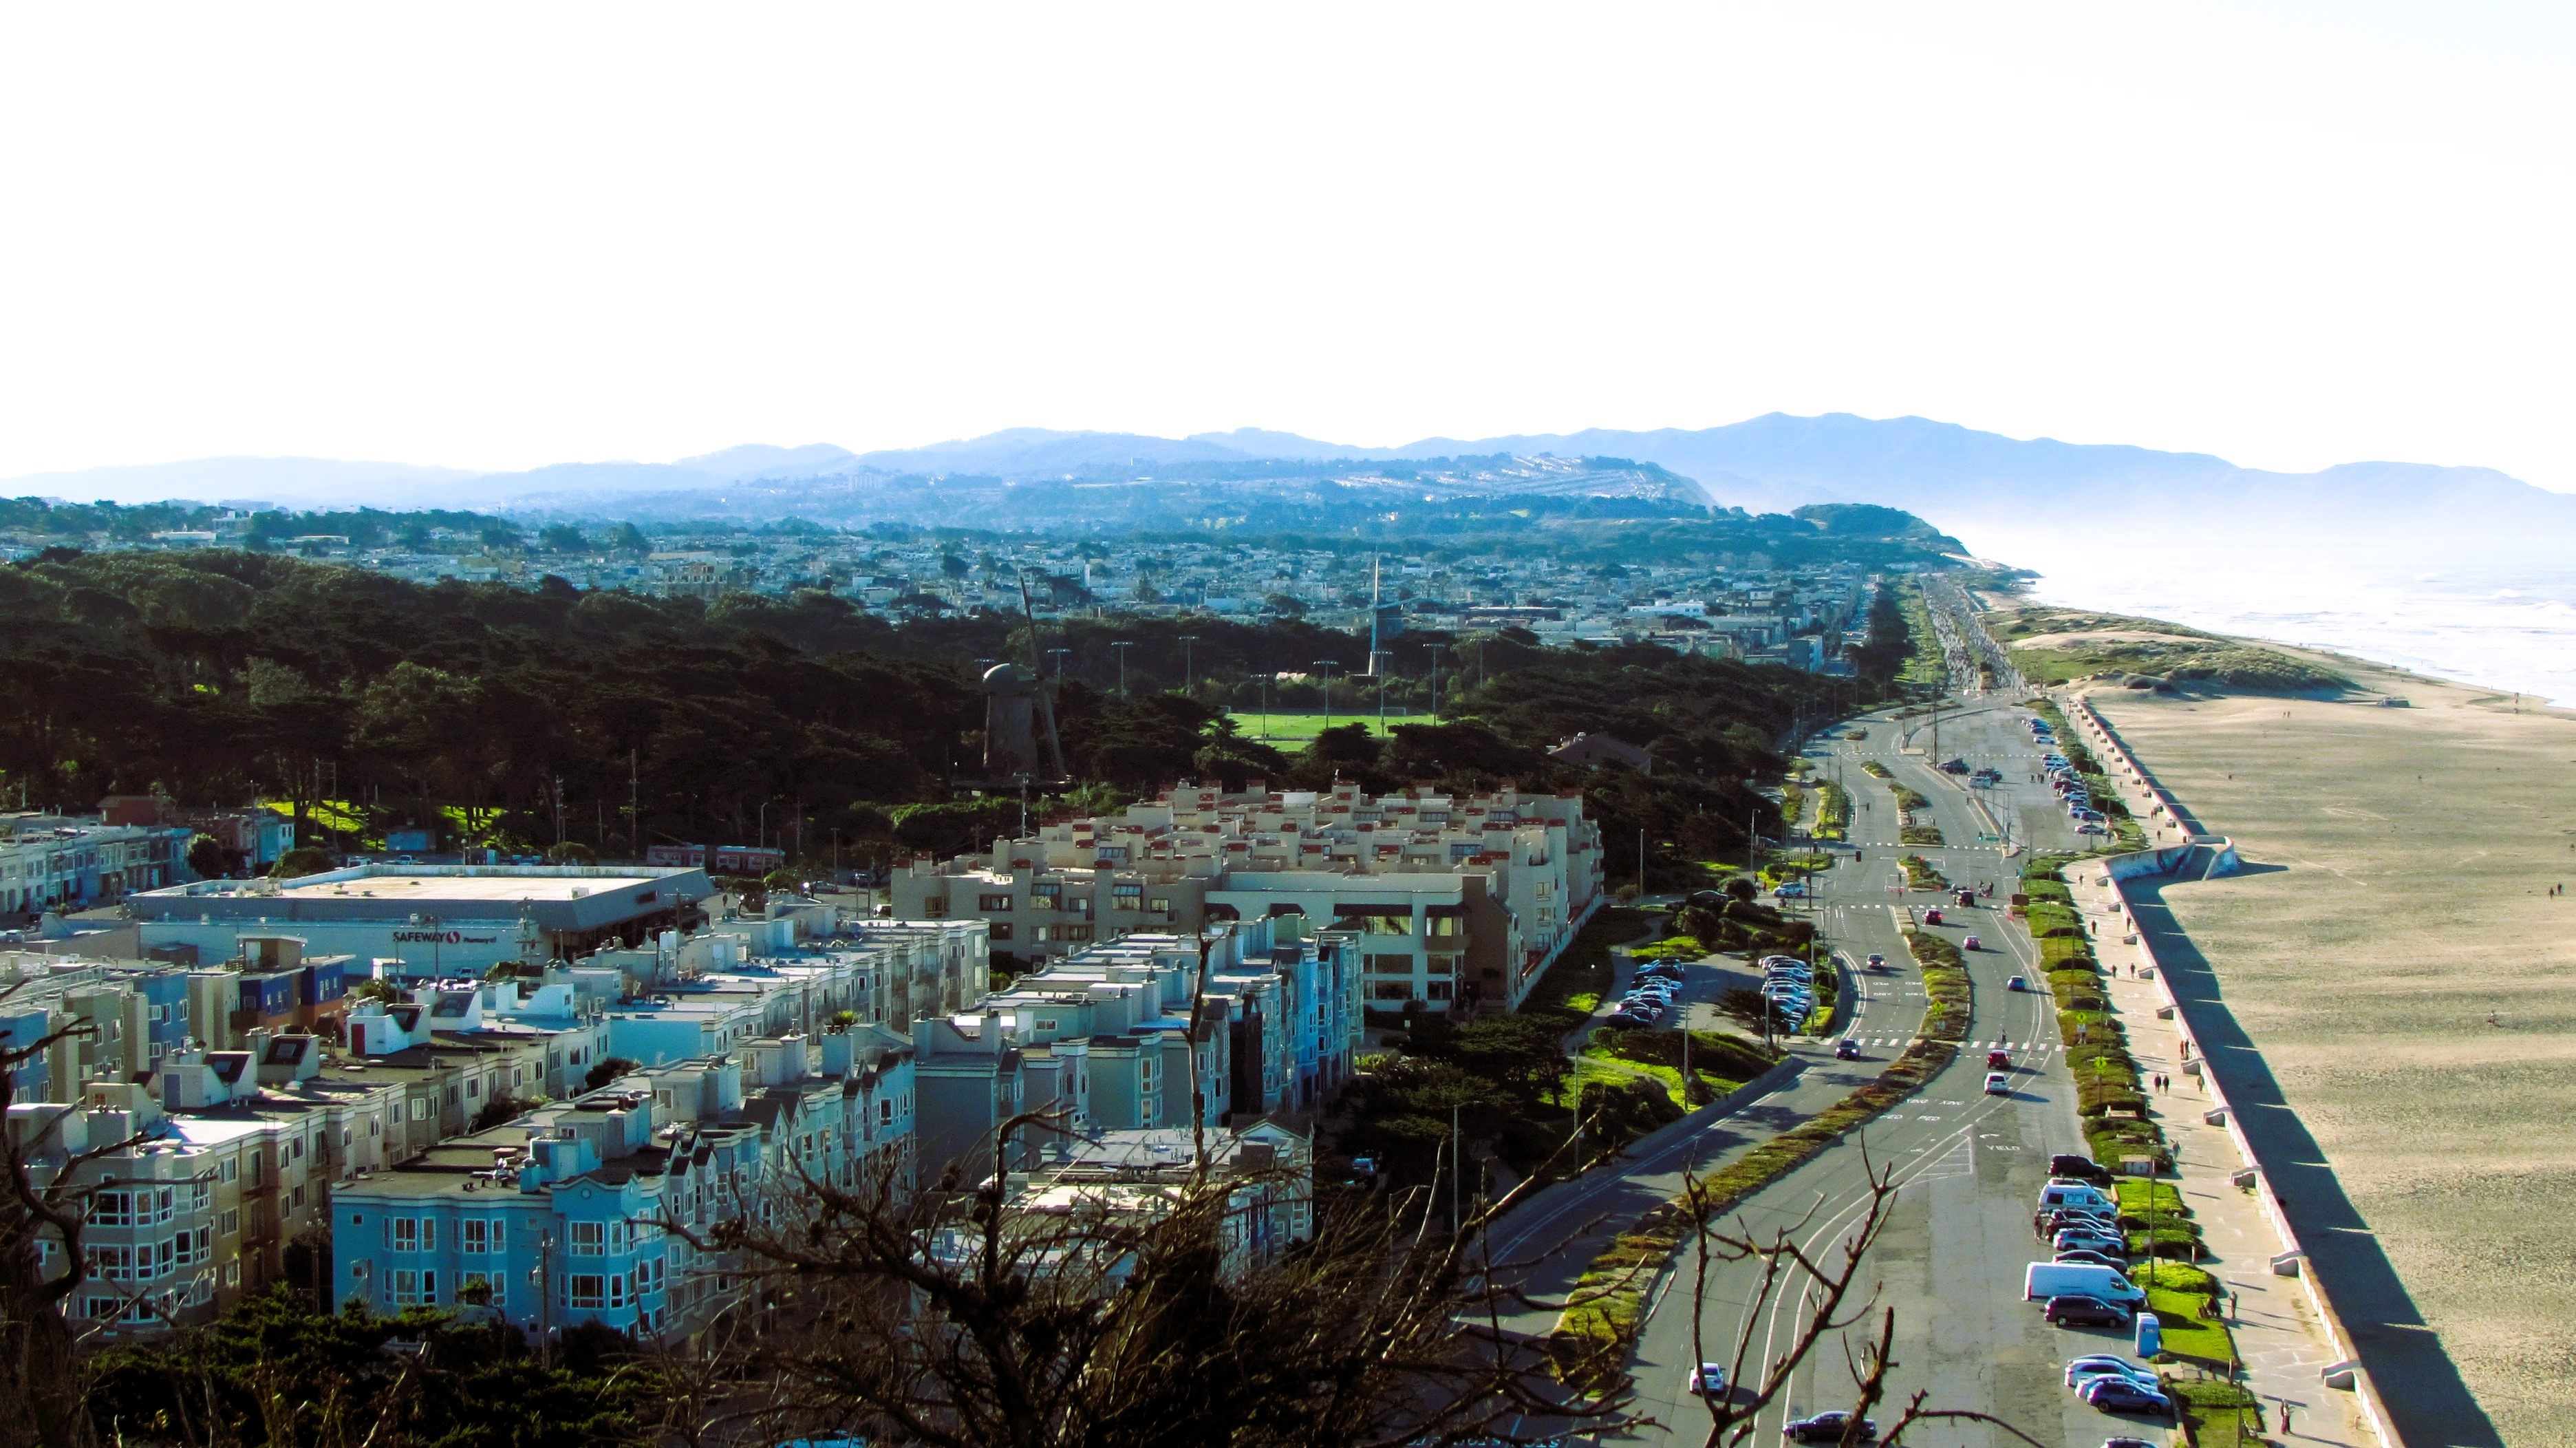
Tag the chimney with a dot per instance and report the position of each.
(840, 1053)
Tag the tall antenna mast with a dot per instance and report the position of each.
(1046, 701)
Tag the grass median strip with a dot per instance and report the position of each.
(1609, 1300)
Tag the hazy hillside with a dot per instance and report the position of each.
(1963, 480)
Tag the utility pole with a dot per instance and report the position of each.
(1122, 646)
(1457, 1168)
(1189, 663)
(1435, 682)
(1326, 667)
(634, 809)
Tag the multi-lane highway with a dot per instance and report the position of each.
(1950, 1260)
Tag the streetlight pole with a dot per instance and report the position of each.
(1122, 646)
(1434, 650)
(1326, 667)
(1189, 663)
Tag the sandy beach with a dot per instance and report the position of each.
(2397, 956)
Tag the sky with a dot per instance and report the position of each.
(498, 236)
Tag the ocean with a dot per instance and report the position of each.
(2499, 622)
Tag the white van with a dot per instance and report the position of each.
(2079, 1279)
(2077, 1194)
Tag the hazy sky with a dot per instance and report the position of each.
(496, 236)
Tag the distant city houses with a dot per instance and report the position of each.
(1737, 604)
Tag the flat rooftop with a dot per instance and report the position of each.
(461, 887)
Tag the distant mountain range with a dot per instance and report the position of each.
(1959, 478)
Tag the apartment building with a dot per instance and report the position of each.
(551, 1220)
(65, 862)
(1197, 855)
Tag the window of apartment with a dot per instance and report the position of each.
(474, 1235)
(232, 1273)
(295, 1200)
(1071, 933)
(232, 1169)
(1444, 926)
(1444, 965)
(589, 1239)
(415, 1289)
(473, 1089)
(992, 902)
(1159, 905)
(232, 1221)
(1391, 990)
(885, 1113)
(1127, 897)
(1046, 895)
(1000, 930)
(1374, 919)
(402, 1234)
(935, 908)
(112, 1209)
(1440, 990)
(492, 1281)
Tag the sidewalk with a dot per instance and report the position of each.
(2278, 1336)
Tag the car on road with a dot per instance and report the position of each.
(2016, 983)
(2126, 1443)
(1954, 766)
(1877, 961)
(1707, 1379)
(1846, 1049)
(1998, 1084)
(2093, 1259)
(2119, 1395)
(1826, 1428)
(2095, 1364)
(1931, 917)
(2082, 1168)
(2086, 1239)
(2087, 1312)
(1972, 943)
(1792, 890)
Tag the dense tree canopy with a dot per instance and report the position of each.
(528, 717)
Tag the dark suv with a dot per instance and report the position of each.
(2086, 1312)
(2082, 1168)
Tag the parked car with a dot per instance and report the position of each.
(2119, 1395)
(1624, 1020)
(2095, 1364)
(1792, 890)
(2082, 1168)
(2086, 1239)
(1998, 1084)
(1706, 1379)
(2093, 1259)
(2016, 983)
(1954, 766)
(1827, 1428)
(2090, 828)
(2087, 1312)
(1846, 1049)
